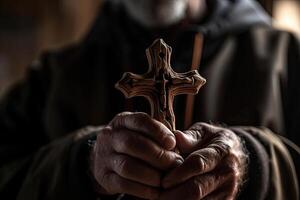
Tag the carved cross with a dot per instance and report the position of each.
(160, 84)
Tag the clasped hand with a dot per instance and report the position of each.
(134, 155)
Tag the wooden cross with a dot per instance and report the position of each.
(160, 84)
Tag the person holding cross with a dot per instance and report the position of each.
(67, 133)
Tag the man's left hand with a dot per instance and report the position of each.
(214, 165)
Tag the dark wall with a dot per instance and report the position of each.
(268, 5)
(27, 26)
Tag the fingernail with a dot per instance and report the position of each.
(178, 161)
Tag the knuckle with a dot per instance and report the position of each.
(209, 128)
(139, 119)
(196, 134)
(237, 157)
(137, 122)
(199, 126)
(230, 136)
(123, 114)
(234, 174)
(119, 119)
(221, 148)
(142, 115)
(226, 132)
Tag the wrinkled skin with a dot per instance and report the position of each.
(213, 168)
(133, 155)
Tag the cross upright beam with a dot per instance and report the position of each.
(160, 84)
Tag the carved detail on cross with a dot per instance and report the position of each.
(160, 84)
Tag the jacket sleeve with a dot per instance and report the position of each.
(31, 166)
(274, 160)
(271, 170)
(291, 90)
(292, 100)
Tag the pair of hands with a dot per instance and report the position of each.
(134, 155)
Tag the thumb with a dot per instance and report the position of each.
(187, 141)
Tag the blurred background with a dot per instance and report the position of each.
(28, 27)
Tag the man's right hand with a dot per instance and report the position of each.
(131, 154)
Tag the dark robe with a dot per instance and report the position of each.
(252, 88)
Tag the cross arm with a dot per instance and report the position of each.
(132, 85)
(187, 83)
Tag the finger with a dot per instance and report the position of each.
(199, 162)
(187, 141)
(196, 137)
(217, 196)
(135, 170)
(228, 191)
(210, 135)
(140, 147)
(141, 122)
(115, 184)
(197, 187)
